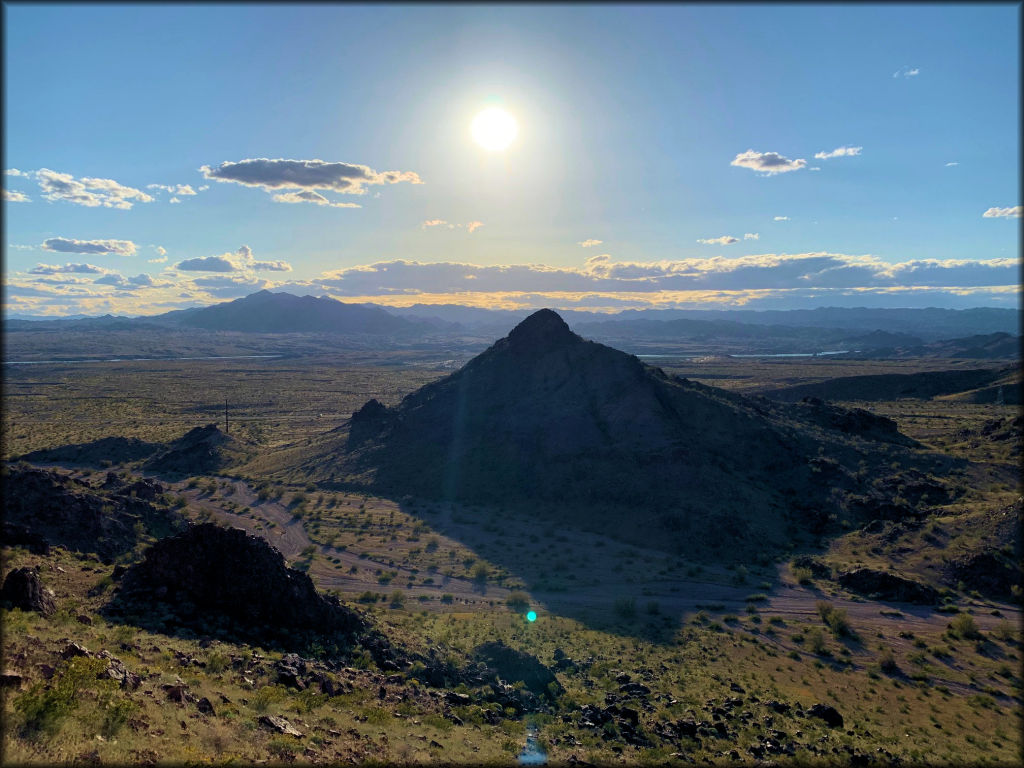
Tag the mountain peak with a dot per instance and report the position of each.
(544, 329)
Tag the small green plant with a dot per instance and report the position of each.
(625, 608)
(964, 626)
(835, 618)
(518, 601)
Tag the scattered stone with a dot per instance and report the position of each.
(827, 713)
(84, 618)
(11, 680)
(279, 724)
(74, 649)
(888, 586)
(512, 665)
(23, 589)
(205, 706)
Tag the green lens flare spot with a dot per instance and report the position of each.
(531, 616)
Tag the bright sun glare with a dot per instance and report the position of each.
(494, 129)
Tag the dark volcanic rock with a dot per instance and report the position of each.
(52, 507)
(888, 586)
(829, 714)
(15, 535)
(210, 573)
(517, 666)
(23, 589)
(544, 416)
(990, 573)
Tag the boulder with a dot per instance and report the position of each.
(827, 713)
(280, 725)
(517, 666)
(209, 574)
(888, 586)
(23, 589)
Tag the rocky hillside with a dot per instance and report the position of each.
(44, 508)
(545, 417)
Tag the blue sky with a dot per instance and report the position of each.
(648, 129)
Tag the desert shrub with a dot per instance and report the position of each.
(447, 598)
(1004, 631)
(756, 597)
(887, 661)
(397, 599)
(116, 712)
(835, 618)
(804, 576)
(816, 641)
(625, 608)
(44, 709)
(216, 663)
(518, 601)
(284, 747)
(266, 697)
(963, 626)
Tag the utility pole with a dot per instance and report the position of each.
(226, 426)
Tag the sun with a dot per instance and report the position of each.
(494, 129)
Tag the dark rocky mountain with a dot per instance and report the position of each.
(116, 450)
(266, 312)
(575, 428)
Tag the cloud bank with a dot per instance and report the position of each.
(13, 196)
(241, 260)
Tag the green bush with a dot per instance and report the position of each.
(835, 618)
(518, 601)
(44, 709)
(963, 626)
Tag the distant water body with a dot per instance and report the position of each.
(139, 359)
(774, 354)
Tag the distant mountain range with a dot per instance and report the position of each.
(980, 332)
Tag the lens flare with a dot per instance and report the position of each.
(494, 129)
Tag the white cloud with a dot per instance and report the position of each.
(589, 243)
(241, 260)
(13, 196)
(310, 196)
(473, 226)
(723, 240)
(70, 245)
(751, 236)
(1003, 213)
(120, 281)
(781, 218)
(161, 250)
(161, 255)
(15, 172)
(907, 72)
(838, 152)
(90, 192)
(301, 178)
(950, 165)
(78, 269)
(769, 163)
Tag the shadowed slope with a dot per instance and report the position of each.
(546, 417)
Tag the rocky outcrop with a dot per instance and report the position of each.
(200, 451)
(855, 421)
(23, 589)
(991, 573)
(827, 713)
(888, 586)
(60, 510)
(514, 666)
(209, 577)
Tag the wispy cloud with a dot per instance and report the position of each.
(185, 190)
(78, 269)
(1013, 212)
(907, 72)
(241, 260)
(751, 236)
(838, 152)
(161, 255)
(13, 196)
(310, 196)
(590, 243)
(768, 163)
(301, 177)
(781, 218)
(88, 192)
(950, 165)
(70, 245)
(15, 172)
(723, 240)
(120, 281)
(471, 226)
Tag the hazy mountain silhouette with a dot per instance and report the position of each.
(266, 312)
(546, 417)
